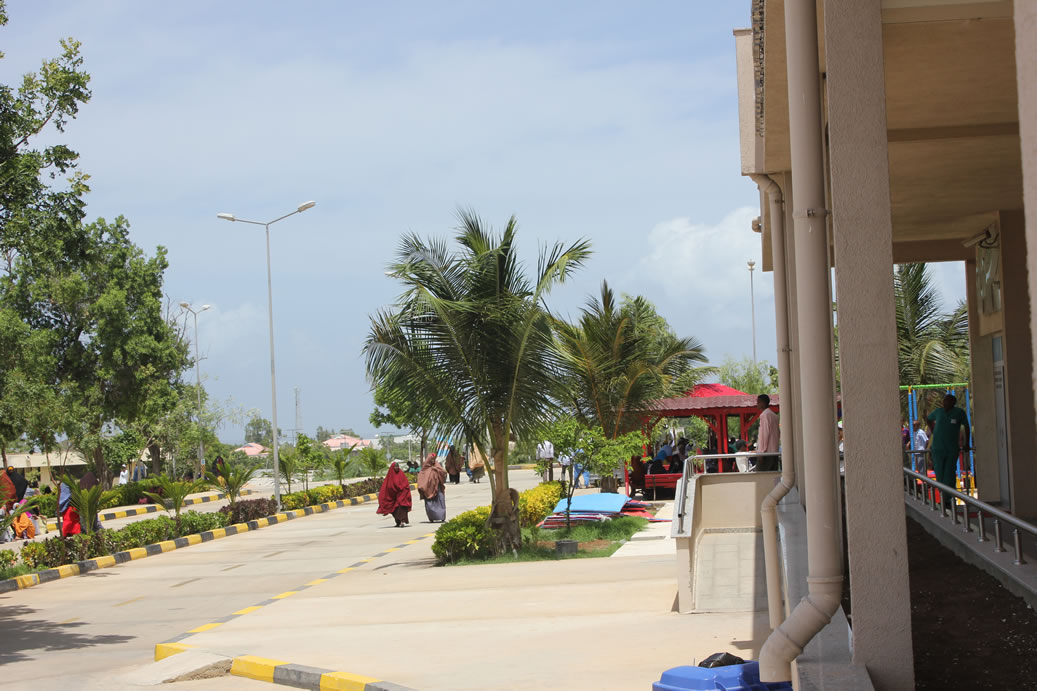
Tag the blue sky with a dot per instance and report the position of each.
(607, 120)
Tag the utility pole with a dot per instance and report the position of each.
(298, 418)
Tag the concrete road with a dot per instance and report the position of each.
(90, 631)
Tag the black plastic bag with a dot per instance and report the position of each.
(721, 660)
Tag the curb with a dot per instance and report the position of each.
(52, 524)
(304, 677)
(88, 565)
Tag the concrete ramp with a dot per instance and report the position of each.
(720, 566)
(729, 574)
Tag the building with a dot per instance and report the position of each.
(344, 441)
(253, 450)
(883, 132)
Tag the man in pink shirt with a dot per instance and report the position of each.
(770, 434)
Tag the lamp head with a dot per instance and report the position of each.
(185, 305)
(204, 307)
(306, 205)
(226, 217)
(752, 264)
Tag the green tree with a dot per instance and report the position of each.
(311, 457)
(289, 464)
(341, 464)
(323, 434)
(748, 376)
(399, 410)
(619, 358)
(259, 431)
(470, 340)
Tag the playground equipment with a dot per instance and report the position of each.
(966, 472)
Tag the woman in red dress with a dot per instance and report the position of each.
(394, 496)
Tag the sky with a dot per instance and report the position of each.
(611, 121)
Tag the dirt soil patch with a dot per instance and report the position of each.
(968, 632)
(586, 546)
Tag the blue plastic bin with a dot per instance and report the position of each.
(744, 677)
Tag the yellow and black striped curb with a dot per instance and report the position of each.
(81, 567)
(303, 676)
(52, 523)
(176, 644)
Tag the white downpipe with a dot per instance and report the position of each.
(817, 377)
(769, 506)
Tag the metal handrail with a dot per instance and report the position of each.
(682, 483)
(927, 497)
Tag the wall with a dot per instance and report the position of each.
(1022, 430)
(984, 424)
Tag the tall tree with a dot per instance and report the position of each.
(470, 340)
(259, 431)
(620, 357)
(748, 376)
(932, 346)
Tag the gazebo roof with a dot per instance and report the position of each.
(707, 399)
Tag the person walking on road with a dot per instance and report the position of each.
(394, 496)
(477, 464)
(949, 434)
(432, 489)
(454, 465)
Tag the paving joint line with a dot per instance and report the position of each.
(176, 645)
(87, 565)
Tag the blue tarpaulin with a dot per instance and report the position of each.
(599, 502)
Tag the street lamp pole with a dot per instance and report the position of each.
(198, 382)
(270, 313)
(752, 304)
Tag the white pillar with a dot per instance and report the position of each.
(1026, 81)
(862, 229)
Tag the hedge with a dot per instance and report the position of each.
(58, 551)
(537, 503)
(327, 493)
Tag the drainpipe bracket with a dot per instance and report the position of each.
(811, 213)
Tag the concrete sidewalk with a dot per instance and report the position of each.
(574, 624)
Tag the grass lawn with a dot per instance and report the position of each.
(613, 532)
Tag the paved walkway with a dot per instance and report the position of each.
(86, 630)
(575, 624)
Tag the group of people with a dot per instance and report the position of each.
(945, 435)
(394, 497)
(15, 492)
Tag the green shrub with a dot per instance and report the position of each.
(46, 505)
(249, 510)
(192, 522)
(466, 536)
(7, 558)
(132, 493)
(33, 554)
(537, 503)
(145, 532)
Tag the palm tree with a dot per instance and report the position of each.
(340, 465)
(621, 357)
(232, 480)
(88, 503)
(173, 493)
(932, 347)
(370, 462)
(471, 340)
(288, 462)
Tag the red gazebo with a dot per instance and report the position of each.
(714, 404)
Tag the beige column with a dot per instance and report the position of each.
(863, 236)
(984, 420)
(1026, 86)
(1018, 350)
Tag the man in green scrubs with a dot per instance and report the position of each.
(946, 428)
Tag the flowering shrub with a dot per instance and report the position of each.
(537, 503)
(245, 510)
(466, 536)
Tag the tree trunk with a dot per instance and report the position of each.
(156, 457)
(504, 517)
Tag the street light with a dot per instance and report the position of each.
(270, 311)
(198, 380)
(752, 304)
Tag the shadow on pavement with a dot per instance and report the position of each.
(22, 633)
